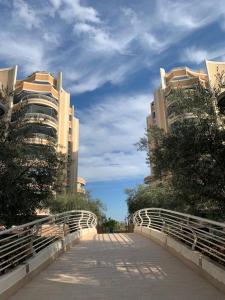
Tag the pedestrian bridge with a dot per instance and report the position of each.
(161, 260)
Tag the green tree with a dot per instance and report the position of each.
(158, 196)
(77, 201)
(193, 152)
(111, 225)
(29, 174)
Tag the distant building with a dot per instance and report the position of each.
(81, 185)
(162, 112)
(49, 110)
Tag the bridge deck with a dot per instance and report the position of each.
(118, 266)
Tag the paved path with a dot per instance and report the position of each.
(118, 266)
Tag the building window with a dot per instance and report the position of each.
(70, 130)
(153, 114)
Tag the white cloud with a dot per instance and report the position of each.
(108, 133)
(194, 55)
(197, 55)
(99, 45)
(25, 14)
(56, 3)
(86, 81)
(73, 11)
(30, 57)
(98, 38)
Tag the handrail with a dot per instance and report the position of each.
(35, 115)
(204, 235)
(19, 243)
(40, 96)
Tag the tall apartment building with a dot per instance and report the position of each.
(49, 110)
(162, 113)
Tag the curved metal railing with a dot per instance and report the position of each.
(39, 96)
(41, 116)
(19, 243)
(203, 235)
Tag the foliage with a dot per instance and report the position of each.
(193, 152)
(111, 224)
(29, 174)
(77, 201)
(160, 196)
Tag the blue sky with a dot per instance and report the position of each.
(110, 53)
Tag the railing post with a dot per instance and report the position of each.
(149, 219)
(31, 244)
(81, 217)
(64, 225)
(139, 214)
(89, 216)
(195, 240)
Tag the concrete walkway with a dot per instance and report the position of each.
(118, 266)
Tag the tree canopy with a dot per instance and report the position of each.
(30, 174)
(192, 152)
(77, 201)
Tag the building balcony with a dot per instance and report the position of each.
(81, 190)
(43, 119)
(182, 84)
(174, 117)
(39, 139)
(38, 88)
(81, 180)
(41, 77)
(80, 185)
(40, 99)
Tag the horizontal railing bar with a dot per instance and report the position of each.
(33, 237)
(205, 235)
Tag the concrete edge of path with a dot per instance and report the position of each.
(201, 264)
(12, 281)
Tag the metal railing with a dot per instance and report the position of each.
(203, 235)
(40, 96)
(22, 242)
(41, 116)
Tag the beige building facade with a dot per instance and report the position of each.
(162, 112)
(49, 110)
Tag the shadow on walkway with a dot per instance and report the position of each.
(118, 266)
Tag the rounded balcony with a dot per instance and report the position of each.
(40, 134)
(42, 119)
(36, 98)
(42, 114)
(25, 87)
(36, 113)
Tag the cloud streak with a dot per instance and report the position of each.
(102, 45)
(109, 131)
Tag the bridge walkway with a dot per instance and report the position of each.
(118, 266)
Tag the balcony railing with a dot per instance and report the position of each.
(41, 136)
(41, 116)
(39, 96)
